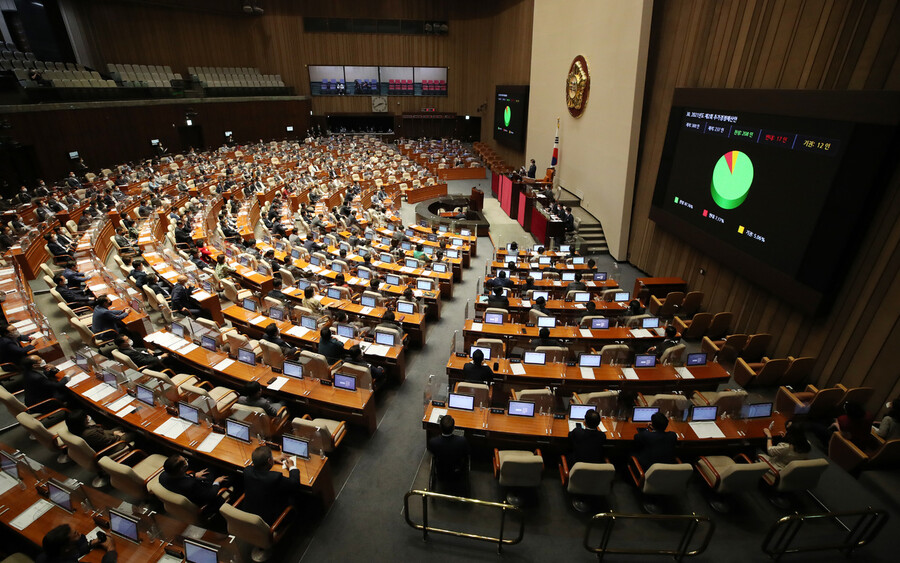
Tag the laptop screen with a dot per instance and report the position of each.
(8, 465)
(600, 324)
(384, 338)
(462, 402)
(535, 358)
(386, 241)
(385, 257)
(536, 276)
(249, 304)
(643, 414)
(650, 322)
(347, 331)
(369, 235)
(195, 552)
(303, 284)
(315, 261)
(334, 293)
(238, 430)
(578, 260)
(465, 232)
(346, 382)
(277, 313)
(295, 254)
(59, 495)
(412, 263)
(245, 261)
(362, 251)
(188, 413)
(568, 276)
(577, 412)
(757, 410)
(392, 280)
(582, 296)
(521, 408)
(337, 267)
(246, 356)
(645, 360)
(406, 307)
(452, 253)
(439, 267)
(177, 330)
(545, 260)
(493, 318)
(262, 270)
(368, 301)
(123, 525)
(510, 258)
(144, 394)
(622, 296)
(423, 285)
(293, 369)
(546, 322)
(589, 360)
(600, 276)
(363, 274)
(537, 294)
(696, 359)
(81, 361)
(486, 350)
(565, 248)
(457, 242)
(703, 414)
(110, 378)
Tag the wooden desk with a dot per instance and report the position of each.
(570, 379)
(471, 240)
(18, 309)
(209, 301)
(515, 333)
(552, 435)
(553, 267)
(660, 287)
(16, 500)
(556, 288)
(137, 320)
(564, 311)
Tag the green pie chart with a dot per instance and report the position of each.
(507, 115)
(731, 179)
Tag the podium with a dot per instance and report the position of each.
(476, 200)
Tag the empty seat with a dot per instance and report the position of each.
(518, 470)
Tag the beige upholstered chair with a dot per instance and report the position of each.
(177, 506)
(236, 341)
(605, 401)
(498, 311)
(272, 355)
(660, 479)
(729, 401)
(47, 437)
(15, 406)
(554, 354)
(497, 346)
(480, 391)
(254, 530)
(673, 355)
(518, 469)
(670, 403)
(323, 433)
(133, 473)
(85, 456)
(316, 365)
(812, 401)
(543, 398)
(124, 360)
(615, 354)
(586, 480)
(725, 475)
(691, 304)
(798, 475)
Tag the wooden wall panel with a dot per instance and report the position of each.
(488, 43)
(815, 44)
(105, 136)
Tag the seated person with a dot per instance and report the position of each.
(501, 280)
(182, 301)
(355, 357)
(634, 308)
(792, 446)
(97, 437)
(856, 425)
(587, 441)
(271, 334)
(138, 274)
(13, 345)
(105, 319)
(276, 292)
(40, 382)
(497, 299)
(72, 296)
(539, 304)
(159, 286)
(576, 285)
(312, 301)
(57, 249)
(544, 339)
(141, 357)
(198, 487)
(267, 493)
(252, 396)
(590, 310)
(63, 544)
(331, 348)
(670, 341)
(653, 444)
(476, 372)
(74, 278)
(889, 427)
(451, 454)
(223, 270)
(388, 321)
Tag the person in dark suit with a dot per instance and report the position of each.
(501, 280)
(587, 441)
(63, 544)
(569, 220)
(476, 372)
(183, 302)
(197, 487)
(55, 248)
(532, 169)
(271, 334)
(140, 356)
(182, 235)
(544, 339)
(252, 396)
(105, 319)
(576, 285)
(138, 273)
(670, 341)
(97, 437)
(62, 237)
(451, 454)
(653, 444)
(74, 278)
(159, 286)
(12, 348)
(497, 299)
(72, 181)
(39, 386)
(332, 349)
(77, 297)
(267, 493)
(23, 196)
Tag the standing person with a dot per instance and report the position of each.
(105, 319)
(451, 454)
(182, 301)
(532, 169)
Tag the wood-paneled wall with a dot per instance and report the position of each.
(488, 43)
(105, 136)
(812, 44)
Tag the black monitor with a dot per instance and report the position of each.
(208, 343)
(521, 408)
(568, 276)
(59, 495)
(643, 414)
(535, 358)
(237, 430)
(293, 369)
(333, 293)
(645, 360)
(622, 296)
(346, 331)
(650, 322)
(537, 294)
(249, 304)
(704, 414)
(589, 360)
(439, 267)
(345, 382)
(546, 322)
(123, 525)
(293, 445)
(368, 301)
(757, 410)
(363, 274)
(582, 296)
(599, 276)
(276, 313)
(308, 322)
(600, 324)
(461, 401)
(424, 285)
(178, 330)
(9, 465)
(577, 411)
(188, 413)
(144, 394)
(246, 356)
(486, 350)
(696, 359)
(197, 552)
(406, 307)
(385, 339)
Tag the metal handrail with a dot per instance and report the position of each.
(504, 508)
(870, 523)
(680, 552)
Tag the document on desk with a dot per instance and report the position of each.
(97, 287)
(76, 380)
(223, 365)
(170, 275)
(407, 270)
(378, 350)
(517, 369)
(7, 482)
(120, 403)
(130, 408)
(526, 303)
(100, 392)
(476, 327)
(586, 332)
(188, 349)
(172, 428)
(641, 333)
(65, 365)
(258, 319)
(16, 310)
(201, 295)
(365, 310)
(278, 384)
(418, 292)
(31, 514)
(297, 331)
(685, 373)
(436, 415)
(210, 442)
(629, 373)
(353, 281)
(706, 430)
(587, 373)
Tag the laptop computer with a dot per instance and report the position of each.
(643, 414)
(696, 359)
(461, 401)
(521, 408)
(535, 358)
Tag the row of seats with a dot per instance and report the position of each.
(40, 66)
(66, 79)
(228, 77)
(143, 76)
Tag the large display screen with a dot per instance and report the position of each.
(511, 116)
(779, 197)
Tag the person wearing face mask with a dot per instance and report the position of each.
(141, 357)
(13, 346)
(183, 302)
(39, 384)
